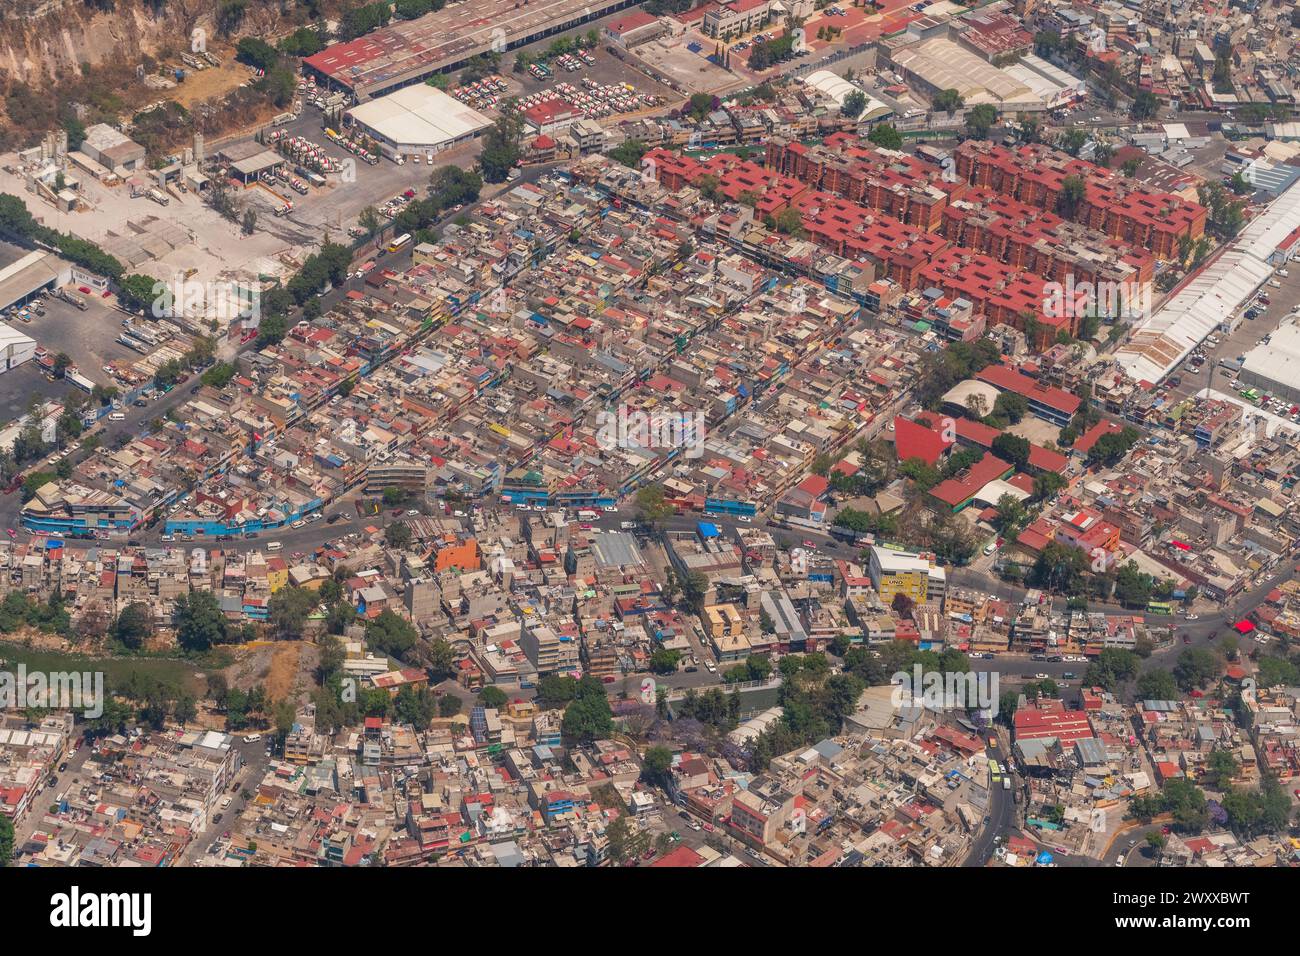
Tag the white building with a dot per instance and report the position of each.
(417, 119)
(15, 347)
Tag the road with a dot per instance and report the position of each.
(1001, 816)
(256, 760)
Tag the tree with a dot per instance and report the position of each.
(1195, 668)
(588, 717)
(1011, 406)
(948, 101)
(134, 625)
(629, 153)
(651, 505)
(886, 137)
(288, 610)
(664, 661)
(6, 840)
(1132, 585)
(1144, 105)
(390, 634)
(136, 293)
(981, 119)
(853, 105)
(1073, 140)
(1157, 685)
(1012, 448)
(1073, 192)
(501, 147)
(369, 220)
(618, 835)
(198, 621)
(657, 765)
(1222, 766)
(493, 697)
(398, 536)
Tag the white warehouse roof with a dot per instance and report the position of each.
(1166, 338)
(838, 89)
(1279, 360)
(419, 116)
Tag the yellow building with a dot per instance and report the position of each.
(905, 572)
(726, 631)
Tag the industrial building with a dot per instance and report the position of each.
(112, 149)
(417, 119)
(837, 88)
(24, 273)
(249, 159)
(1274, 367)
(15, 347)
(1217, 293)
(411, 51)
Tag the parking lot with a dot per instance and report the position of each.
(89, 337)
(607, 70)
(20, 385)
(1238, 342)
(337, 205)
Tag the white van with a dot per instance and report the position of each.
(117, 417)
(252, 738)
(274, 546)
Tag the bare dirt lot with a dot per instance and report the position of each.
(200, 85)
(283, 668)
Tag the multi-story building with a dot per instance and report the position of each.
(916, 575)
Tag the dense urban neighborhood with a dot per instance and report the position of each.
(763, 434)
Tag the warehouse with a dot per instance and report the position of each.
(1210, 300)
(940, 64)
(15, 347)
(112, 149)
(839, 89)
(249, 159)
(1275, 367)
(23, 274)
(411, 51)
(417, 119)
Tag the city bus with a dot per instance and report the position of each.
(400, 241)
(1160, 607)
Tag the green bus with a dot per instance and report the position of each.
(1160, 607)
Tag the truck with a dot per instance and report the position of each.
(73, 299)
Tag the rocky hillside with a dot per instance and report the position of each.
(43, 42)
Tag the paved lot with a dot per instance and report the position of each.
(89, 337)
(1241, 340)
(18, 386)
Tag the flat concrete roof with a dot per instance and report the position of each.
(419, 116)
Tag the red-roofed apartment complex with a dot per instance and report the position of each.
(1113, 205)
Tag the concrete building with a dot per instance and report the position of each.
(112, 149)
(417, 119)
(735, 19)
(905, 572)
